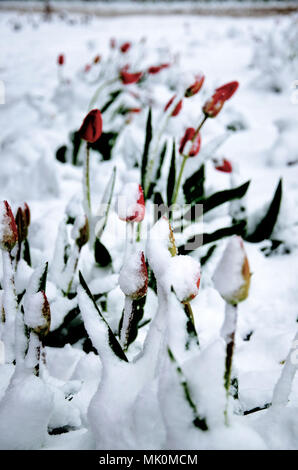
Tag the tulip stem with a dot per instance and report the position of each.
(200, 127)
(228, 333)
(87, 182)
(185, 157)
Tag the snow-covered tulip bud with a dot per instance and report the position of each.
(232, 275)
(125, 47)
(91, 127)
(177, 109)
(213, 106)
(8, 228)
(80, 231)
(225, 166)
(133, 278)
(131, 203)
(193, 147)
(61, 59)
(185, 277)
(195, 87)
(129, 78)
(227, 91)
(38, 313)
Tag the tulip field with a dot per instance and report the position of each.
(148, 232)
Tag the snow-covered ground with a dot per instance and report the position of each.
(39, 112)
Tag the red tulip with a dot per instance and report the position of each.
(125, 47)
(61, 59)
(177, 108)
(196, 144)
(154, 69)
(22, 220)
(225, 166)
(129, 78)
(133, 279)
(135, 110)
(131, 204)
(97, 59)
(8, 228)
(213, 106)
(91, 127)
(195, 87)
(226, 91)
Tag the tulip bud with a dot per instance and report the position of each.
(133, 278)
(185, 277)
(213, 106)
(195, 145)
(97, 59)
(91, 127)
(38, 313)
(153, 70)
(26, 211)
(195, 87)
(80, 231)
(131, 203)
(232, 275)
(8, 228)
(21, 225)
(225, 166)
(226, 91)
(129, 78)
(125, 47)
(177, 108)
(112, 43)
(61, 59)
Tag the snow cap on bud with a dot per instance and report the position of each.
(131, 203)
(133, 278)
(194, 146)
(91, 127)
(195, 87)
(23, 221)
(129, 78)
(232, 275)
(185, 274)
(225, 166)
(8, 228)
(177, 109)
(61, 59)
(37, 313)
(80, 231)
(125, 47)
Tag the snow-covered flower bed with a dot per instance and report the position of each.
(148, 233)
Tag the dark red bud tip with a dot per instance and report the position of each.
(195, 87)
(91, 127)
(61, 59)
(225, 166)
(154, 69)
(97, 59)
(144, 275)
(227, 91)
(8, 228)
(129, 78)
(125, 47)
